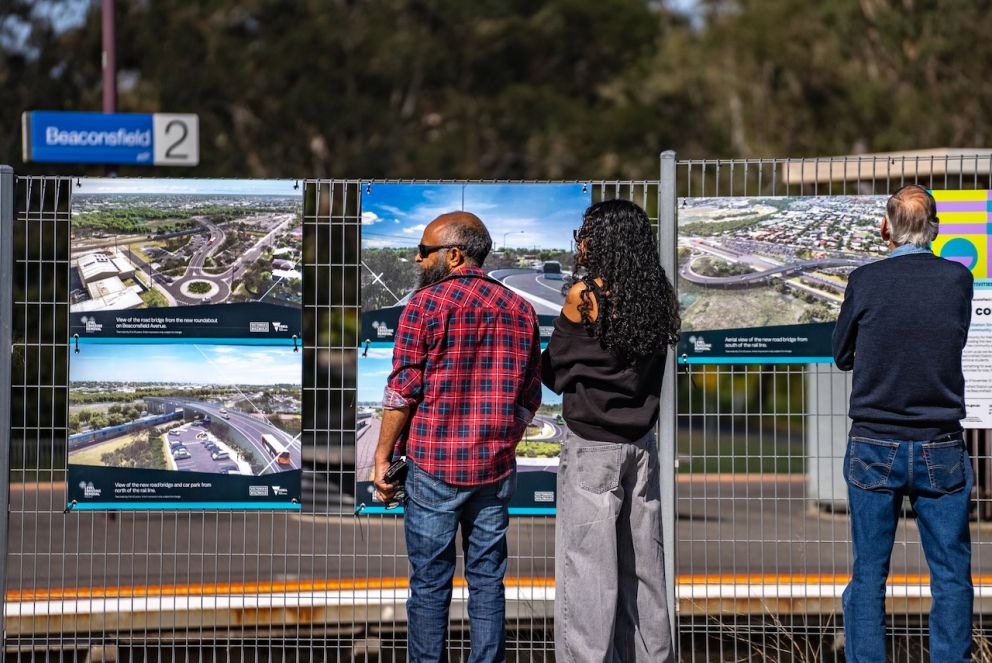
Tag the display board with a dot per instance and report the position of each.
(761, 280)
(533, 252)
(965, 219)
(185, 378)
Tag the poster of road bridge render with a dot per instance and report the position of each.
(185, 376)
(530, 224)
(762, 280)
(537, 453)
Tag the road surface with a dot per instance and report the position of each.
(250, 426)
(727, 525)
(543, 293)
(193, 437)
(177, 289)
(764, 268)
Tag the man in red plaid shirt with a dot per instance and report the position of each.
(465, 384)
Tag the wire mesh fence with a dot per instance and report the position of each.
(326, 584)
(762, 534)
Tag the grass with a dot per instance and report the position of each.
(200, 287)
(538, 449)
(153, 299)
(760, 306)
(93, 455)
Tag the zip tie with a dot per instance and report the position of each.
(68, 506)
(295, 347)
(685, 368)
(367, 344)
(76, 337)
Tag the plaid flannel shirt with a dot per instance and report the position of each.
(466, 360)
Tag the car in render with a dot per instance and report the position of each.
(220, 455)
(180, 453)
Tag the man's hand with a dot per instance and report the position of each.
(393, 422)
(383, 491)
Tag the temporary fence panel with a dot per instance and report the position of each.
(327, 584)
(763, 533)
(762, 536)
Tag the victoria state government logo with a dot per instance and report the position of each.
(699, 345)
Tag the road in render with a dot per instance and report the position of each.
(193, 438)
(253, 428)
(543, 293)
(221, 292)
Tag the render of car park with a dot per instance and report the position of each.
(200, 417)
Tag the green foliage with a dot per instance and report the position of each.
(153, 299)
(538, 449)
(146, 451)
(199, 287)
(472, 89)
(711, 228)
(709, 266)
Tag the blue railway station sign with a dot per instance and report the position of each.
(148, 139)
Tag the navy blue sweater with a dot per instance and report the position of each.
(902, 327)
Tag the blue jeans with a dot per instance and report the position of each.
(938, 478)
(433, 511)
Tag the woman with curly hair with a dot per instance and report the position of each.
(607, 357)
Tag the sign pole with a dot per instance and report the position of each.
(6, 350)
(109, 64)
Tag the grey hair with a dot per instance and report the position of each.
(912, 216)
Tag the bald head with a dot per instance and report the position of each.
(912, 216)
(465, 230)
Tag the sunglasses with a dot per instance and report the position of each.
(424, 250)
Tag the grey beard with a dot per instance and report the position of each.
(431, 275)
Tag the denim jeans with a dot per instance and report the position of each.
(433, 511)
(610, 599)
(938, 478)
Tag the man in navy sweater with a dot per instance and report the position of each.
(902, 328)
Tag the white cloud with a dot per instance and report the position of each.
(419, 228)
(368, 218)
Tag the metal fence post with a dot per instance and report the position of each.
(6, 329)
(666, 420)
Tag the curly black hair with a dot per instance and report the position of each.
(638, 311)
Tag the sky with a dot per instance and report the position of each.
(146, 185)
(374, 369)
(521, 215)
(188, 364)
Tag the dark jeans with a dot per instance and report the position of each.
(433, 512)
(938, 478)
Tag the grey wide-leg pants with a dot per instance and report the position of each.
(610, 600)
